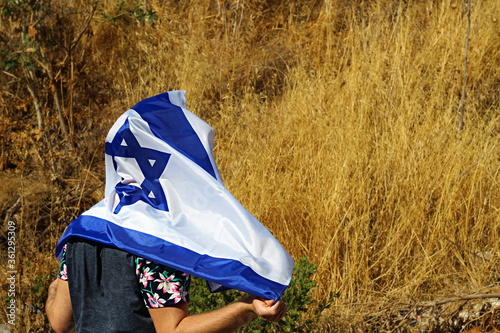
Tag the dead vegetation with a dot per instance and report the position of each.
(336, 122)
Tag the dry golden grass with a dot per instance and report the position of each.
(336, 125)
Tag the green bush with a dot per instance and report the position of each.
(125, 13)
(297, 297)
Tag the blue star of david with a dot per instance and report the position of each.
(152, 164)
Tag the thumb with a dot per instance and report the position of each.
(269, 302)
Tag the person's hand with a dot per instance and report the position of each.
(269, 311)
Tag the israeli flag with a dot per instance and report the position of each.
(165, 201)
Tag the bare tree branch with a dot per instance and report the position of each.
(73, 45)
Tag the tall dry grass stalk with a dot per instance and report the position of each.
(336, 126)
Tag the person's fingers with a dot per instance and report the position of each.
(280, 313)
(277, 305)
(276, 312)
(269, 310)
(269, 302)
(281, 310)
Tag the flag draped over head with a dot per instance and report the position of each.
(165, 201)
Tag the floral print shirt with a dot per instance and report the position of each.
(160, 285)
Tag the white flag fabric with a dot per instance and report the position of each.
(165, 201)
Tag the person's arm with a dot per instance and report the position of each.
(58, 307)
(229, 318)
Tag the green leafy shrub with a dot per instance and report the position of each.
(125, 12)
(297, 297)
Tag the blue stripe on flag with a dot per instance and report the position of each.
(169, 123)
(227, 272)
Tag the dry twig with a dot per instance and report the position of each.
(451, 300)
(462, 102)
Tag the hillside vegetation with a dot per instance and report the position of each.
(337, 124)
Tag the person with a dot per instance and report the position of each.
(105, 289)
(127, 262)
